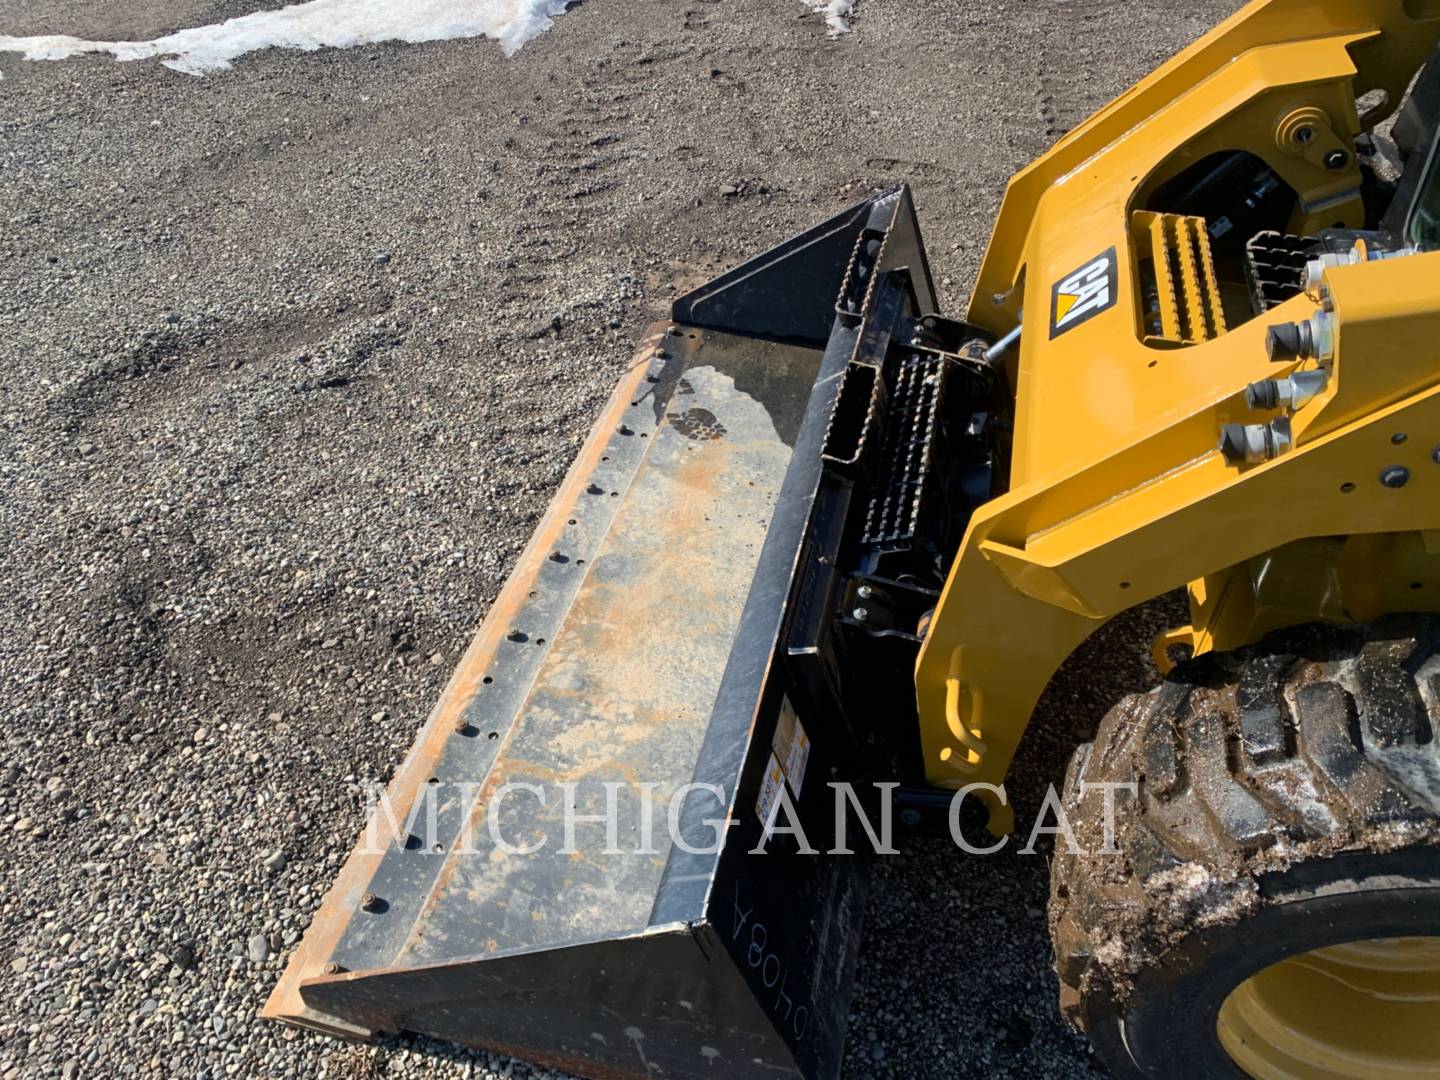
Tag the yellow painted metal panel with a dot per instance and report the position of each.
(1177, 233)
(1117, 492)
(1201, 237)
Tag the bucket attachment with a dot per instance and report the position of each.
(670, 654)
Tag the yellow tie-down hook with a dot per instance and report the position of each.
(964, 713)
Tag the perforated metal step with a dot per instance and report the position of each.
(896, 512)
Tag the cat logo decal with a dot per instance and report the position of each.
(1082, 294)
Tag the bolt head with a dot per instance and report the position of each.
(1304, 135)
(1435, 455)
(864, 592)
(1232, 443)
(860, 614)
(1396, 476)
(369, 902)
(1336, 159)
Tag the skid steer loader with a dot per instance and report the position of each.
(825, 535)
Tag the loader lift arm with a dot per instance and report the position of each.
(1117, 493)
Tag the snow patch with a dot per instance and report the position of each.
(837, 13)
(315, 25)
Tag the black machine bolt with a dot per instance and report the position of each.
(1250, 444)
(1290, 341)
(1264, 394)
(1396, 476)
(1336, 159)
(1232, 443)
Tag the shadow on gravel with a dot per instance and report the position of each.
(956, 976)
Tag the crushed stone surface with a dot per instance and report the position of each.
(294, 355)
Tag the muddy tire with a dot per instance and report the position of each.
(1286, 799)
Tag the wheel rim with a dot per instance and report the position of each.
(1363, 1010)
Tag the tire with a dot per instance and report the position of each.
(1286, 799)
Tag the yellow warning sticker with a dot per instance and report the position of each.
(791, 746)
(770, 788)
(789, 757)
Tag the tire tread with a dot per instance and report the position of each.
(1316, 741)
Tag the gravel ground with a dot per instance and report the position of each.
(294, 356)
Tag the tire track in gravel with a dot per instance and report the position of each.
(1066, 96)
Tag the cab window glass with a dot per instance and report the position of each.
(1424, 228)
